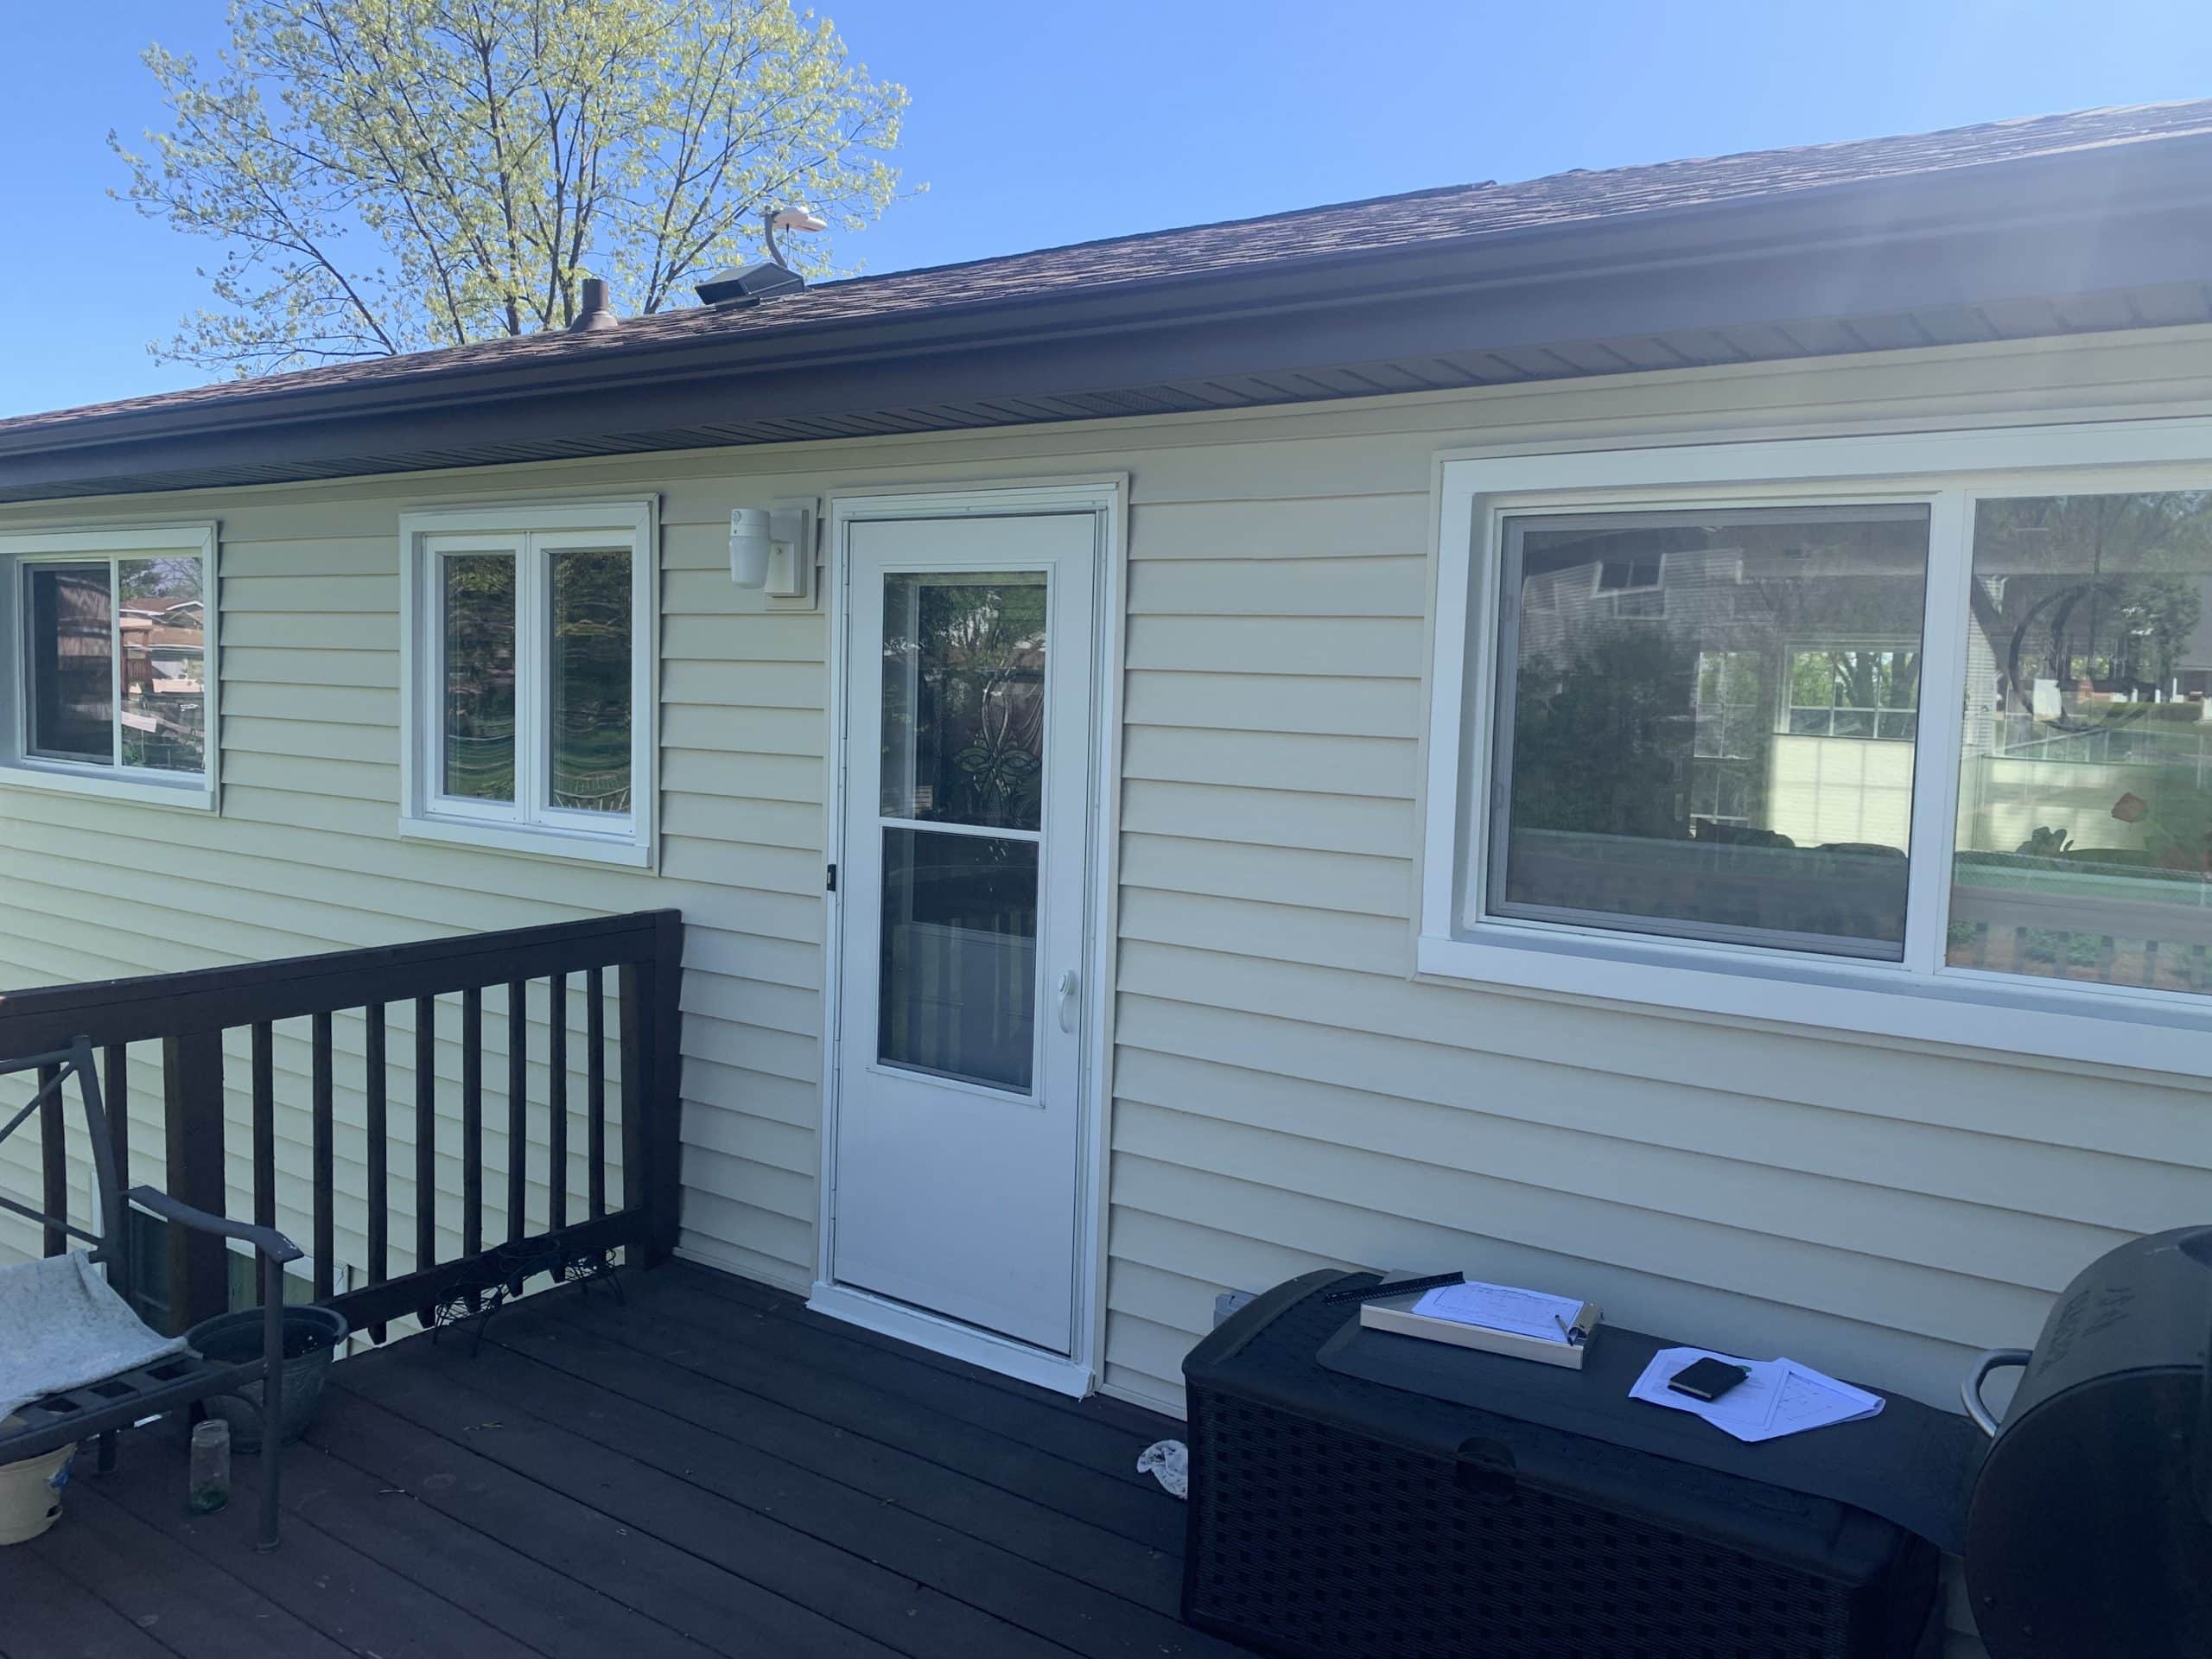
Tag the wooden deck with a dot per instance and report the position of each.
(707, 1469)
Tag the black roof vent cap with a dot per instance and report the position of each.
(749, 284)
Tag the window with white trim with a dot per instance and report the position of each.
(1929, 717)
(529, 678)
(111, 682)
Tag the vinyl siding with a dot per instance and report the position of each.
(1285, 1094)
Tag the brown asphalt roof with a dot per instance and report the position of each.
(1346, 228)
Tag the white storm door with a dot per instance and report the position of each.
(967, 796)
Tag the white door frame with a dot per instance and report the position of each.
(1108, 497)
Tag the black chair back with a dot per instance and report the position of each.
(53, 1072)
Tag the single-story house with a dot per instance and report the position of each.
(1640, 732)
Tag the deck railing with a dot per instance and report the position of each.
(530, 971)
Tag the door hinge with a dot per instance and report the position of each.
(831, 886)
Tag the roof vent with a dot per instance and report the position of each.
(596, 312)
(750, 284)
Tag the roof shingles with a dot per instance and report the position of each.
(1454, 212)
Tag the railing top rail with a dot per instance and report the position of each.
(154, 1006)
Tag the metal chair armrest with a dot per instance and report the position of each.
(266, 1241)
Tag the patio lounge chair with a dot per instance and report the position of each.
(75, 1361)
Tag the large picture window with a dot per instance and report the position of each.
(1656, 773)
(529, 679)
(1871, 723)
(112, 684)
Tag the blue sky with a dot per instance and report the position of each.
(1037, 122)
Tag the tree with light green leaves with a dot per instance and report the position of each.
(389, 175)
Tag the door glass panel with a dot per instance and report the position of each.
(71, 663)
(963, 698)
(590, 681)
(959, 957)
(479, 664)
(164, 629)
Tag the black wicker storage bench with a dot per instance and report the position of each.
(1331, 1516)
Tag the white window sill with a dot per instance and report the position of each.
(2152, 1031)
(190, 794)
(623, 849)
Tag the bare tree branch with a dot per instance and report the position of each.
(381, 176)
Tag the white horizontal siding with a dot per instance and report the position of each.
(1285, 1096)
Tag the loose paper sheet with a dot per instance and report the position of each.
(1501, 1307)
(1779, 1398)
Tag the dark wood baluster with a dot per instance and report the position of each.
(557, 1103)
(326, 1221)
(631, 1025)
(192, 1111)
(114, 1224)
(472, 1122)
(115, 1090)
(518, 1106)
(264, 1124)
(374, 1077)
(595, 1088)
(662, 1191)
(426, 1132)
(53, 1158)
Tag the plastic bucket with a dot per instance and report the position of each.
(30, 1492)
(311, 1334)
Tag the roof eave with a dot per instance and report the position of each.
(2095, 221)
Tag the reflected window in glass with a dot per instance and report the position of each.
(2084, 845)
(1652, 773)
(161, 625)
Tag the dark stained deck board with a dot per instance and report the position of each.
(44, 1614)
(950, 1497)
(360, 1604)
(168, 1593)
(705, 1471)
(908, 1616)
(865, 1391)
(619, 1571)
(1077, 1434)
(1049, 1604)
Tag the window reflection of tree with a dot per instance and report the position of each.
(977, 666)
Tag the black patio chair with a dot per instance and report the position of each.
(73, 1409)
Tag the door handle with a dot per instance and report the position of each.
(1067, 999)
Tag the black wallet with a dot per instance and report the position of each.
(1706, 1379)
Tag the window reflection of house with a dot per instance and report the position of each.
(2085, 847)
(1744, 681)
(164, 712)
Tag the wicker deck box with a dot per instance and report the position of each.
(1325, 1521)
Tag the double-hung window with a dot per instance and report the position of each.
(111, 682)
(529, 678)
(1904, 735)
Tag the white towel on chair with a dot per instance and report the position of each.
(63, 1326)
